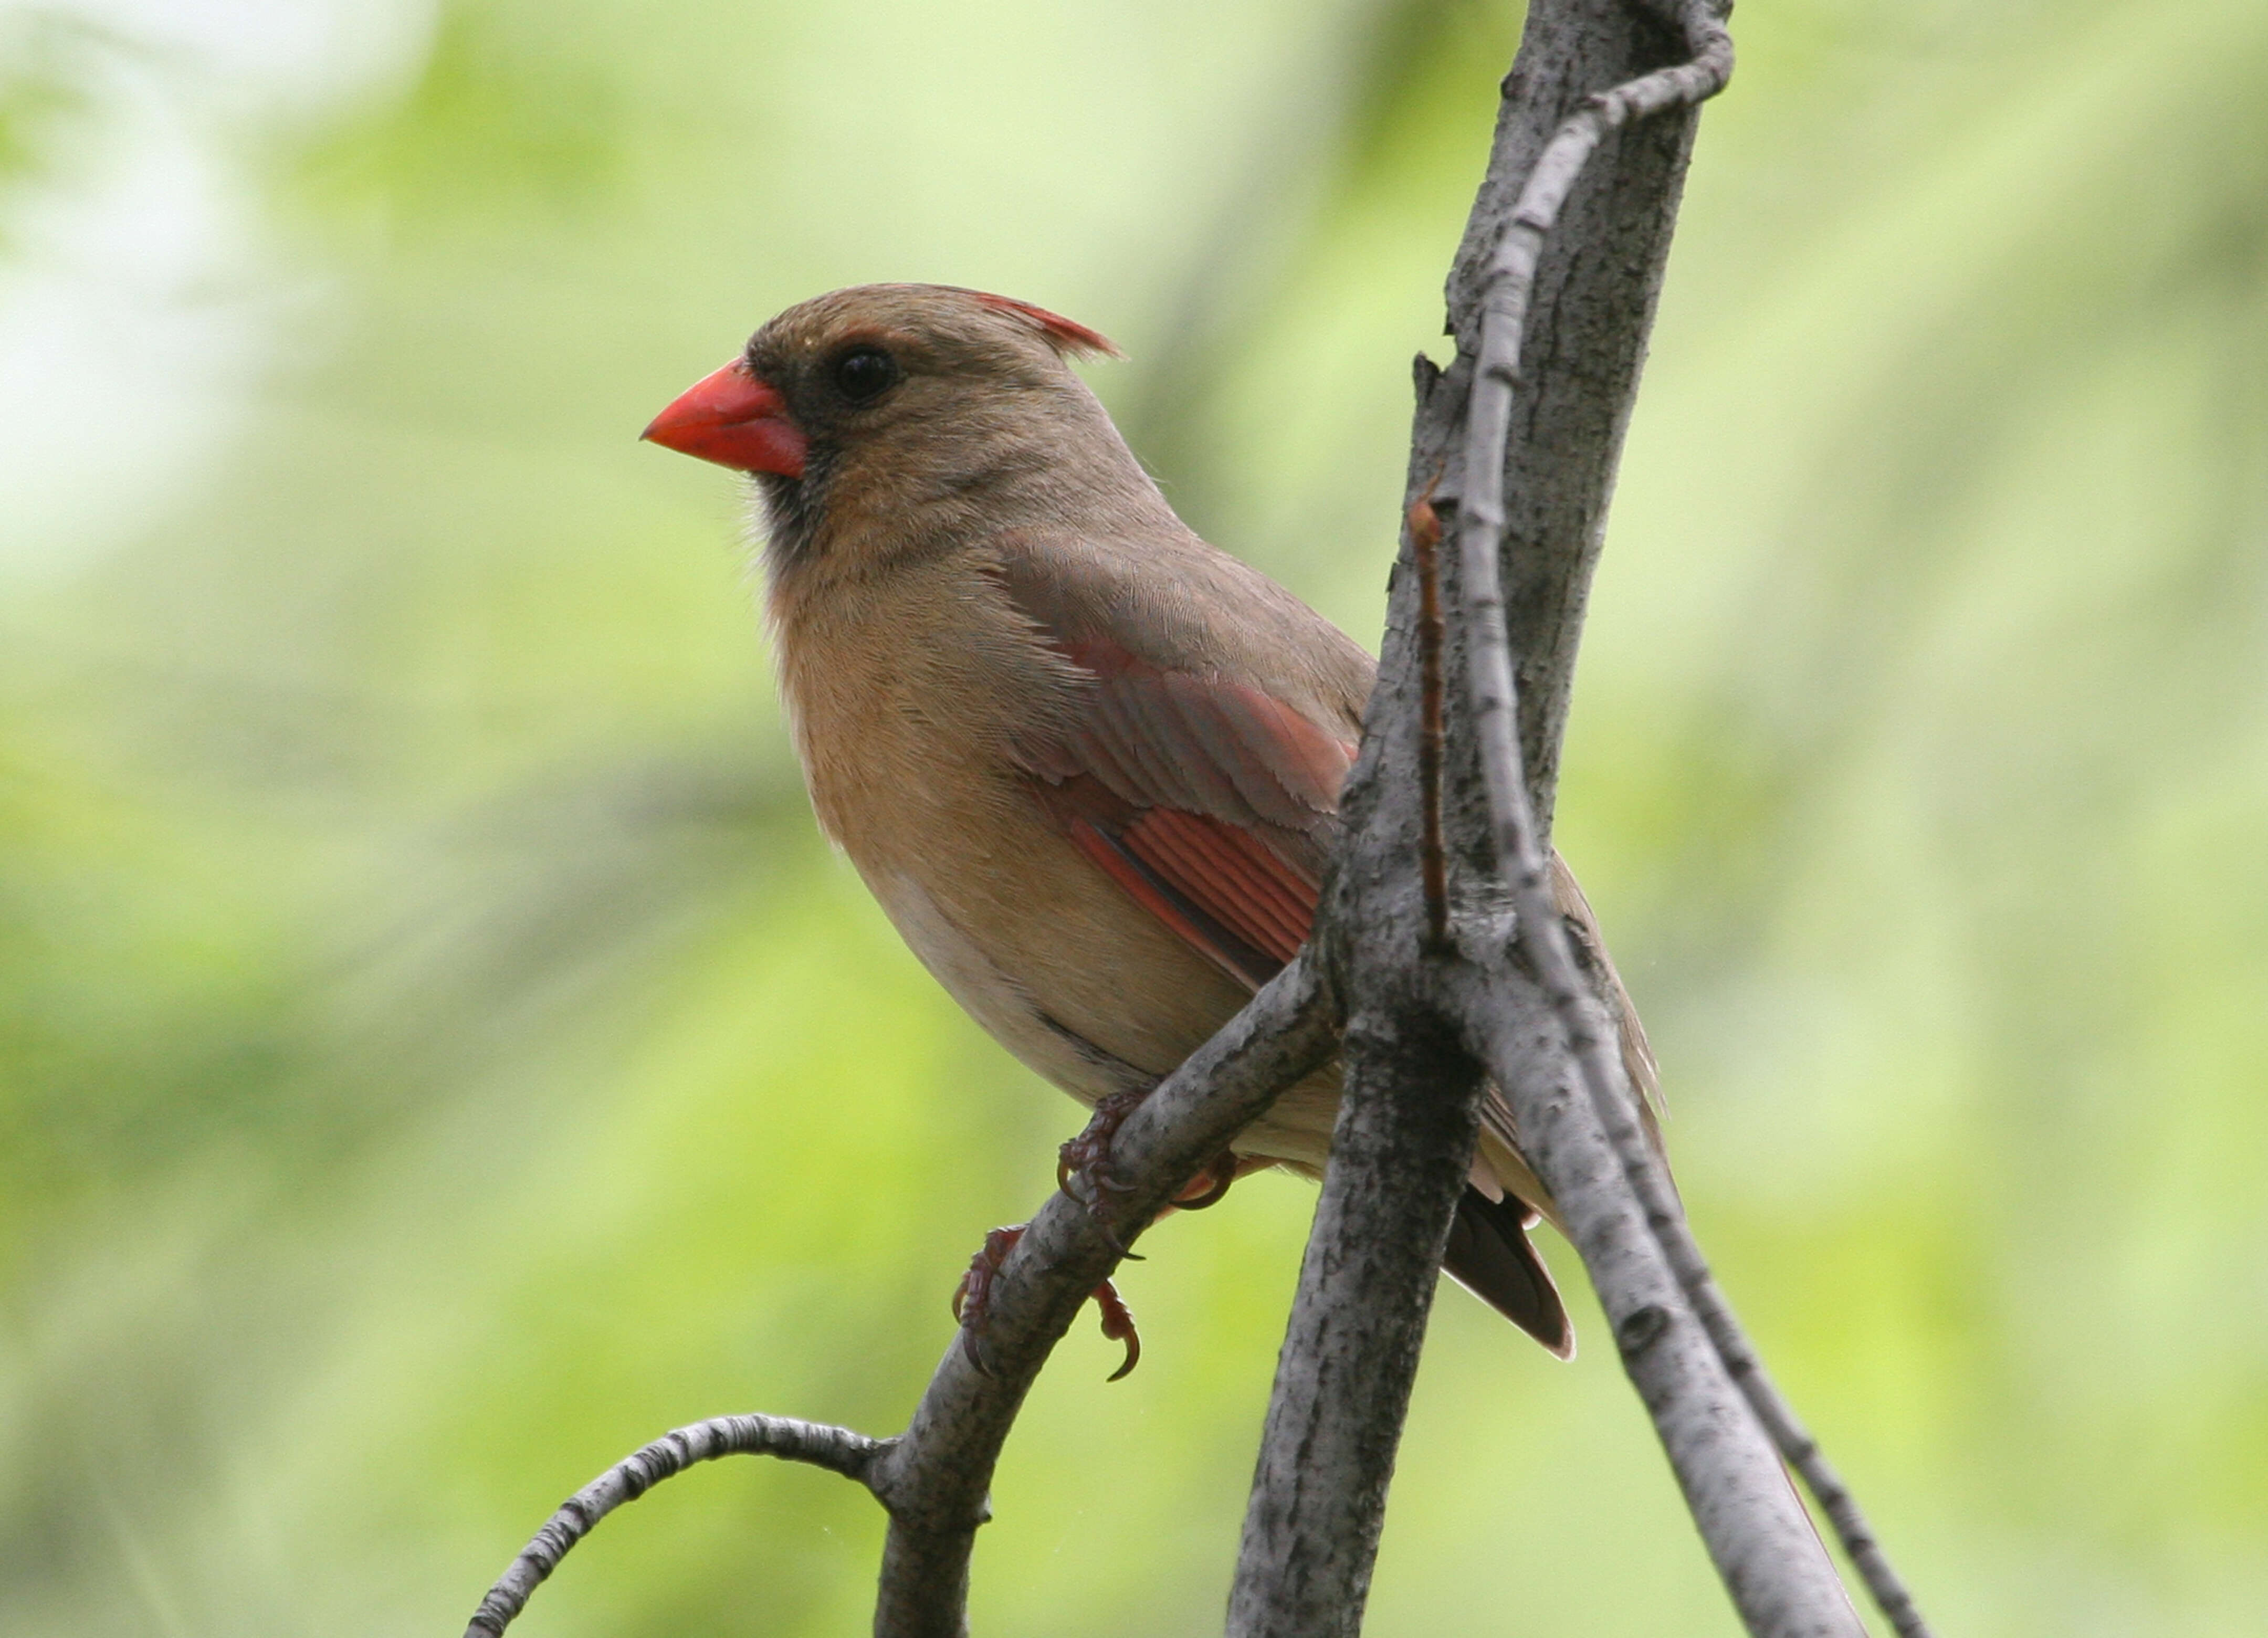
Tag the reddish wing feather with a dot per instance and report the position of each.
(1166, 894)
(1209, 802)
(1229, 872)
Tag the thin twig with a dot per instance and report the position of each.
(1512, 274)
(1424, 542)
(1542, 936)
(1753, 1523)
(1794, 1442)
(838, 1449)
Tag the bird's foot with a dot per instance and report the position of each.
(1087, 1158)
(971, 1297)
(974, 1294)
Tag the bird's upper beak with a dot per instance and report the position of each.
(736, 419)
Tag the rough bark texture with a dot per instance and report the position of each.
(1773, 1561)
(1596, 284)
(837, 1449)
(1372, 1263)
(1343, 1382)
(1593, 304)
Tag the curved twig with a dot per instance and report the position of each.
(838, 1449)
(1541, 937)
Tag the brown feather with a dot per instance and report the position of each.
(1089, 765)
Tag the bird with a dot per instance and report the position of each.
(1088, 764)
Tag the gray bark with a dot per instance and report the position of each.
(837, 1449)
(1572, 259)
(1374, 1260)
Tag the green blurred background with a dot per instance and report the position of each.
(436, 1053)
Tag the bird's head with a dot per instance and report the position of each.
(874, 417)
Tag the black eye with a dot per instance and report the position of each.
(864, 372)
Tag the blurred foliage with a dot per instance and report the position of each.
(437, 1054)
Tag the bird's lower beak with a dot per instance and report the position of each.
(735, 420)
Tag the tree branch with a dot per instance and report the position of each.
(1765, 1528)
(1424, 525)
(1404, 1137)
(934, 1479)
(1405, 1130)
(838, 1449)
(1748, 1517)
(1407, 1122)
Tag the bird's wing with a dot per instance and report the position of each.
(1211, 802)
(1209, 797)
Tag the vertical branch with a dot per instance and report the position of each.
(1597, 278)
(1403, 1143)
(1407, 1123)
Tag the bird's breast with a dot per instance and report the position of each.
(907, 711)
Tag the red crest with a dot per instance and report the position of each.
(1066, 335)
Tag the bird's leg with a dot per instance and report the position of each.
(974, 1291)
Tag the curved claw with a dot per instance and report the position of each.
(1094, 1172)
(971, 1297)
(974, 1291)
(1118, 1325)
(1087, 1155)
(1087, 1158)
(1219, 1177)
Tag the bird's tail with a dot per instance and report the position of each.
(1492, 1257)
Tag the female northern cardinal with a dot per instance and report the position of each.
(1089, 765)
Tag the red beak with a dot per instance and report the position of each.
(735, 420)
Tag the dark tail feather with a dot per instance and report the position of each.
(1490, 1255)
